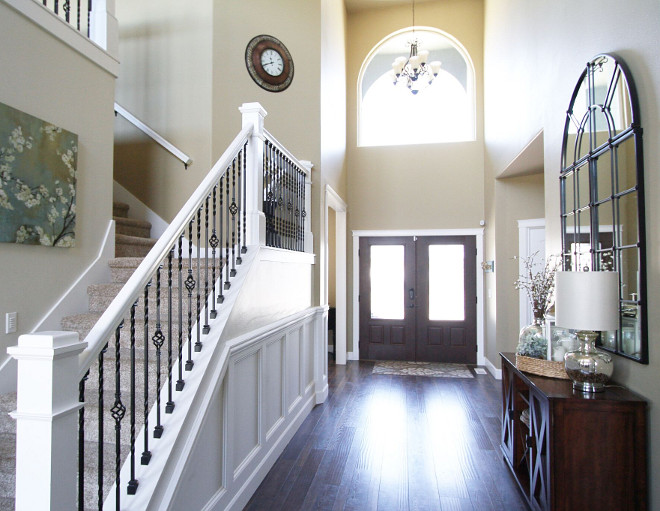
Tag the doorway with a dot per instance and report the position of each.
(418, 298)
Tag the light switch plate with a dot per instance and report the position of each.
(10, 323)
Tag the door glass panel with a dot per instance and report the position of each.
(387, 281)
(446, 283)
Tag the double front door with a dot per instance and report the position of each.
(418, 298)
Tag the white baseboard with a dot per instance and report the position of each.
(353, 355)
(497, 373)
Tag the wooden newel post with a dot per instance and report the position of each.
(46, 420)
(253, 115)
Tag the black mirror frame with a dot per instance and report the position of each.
(588, 161)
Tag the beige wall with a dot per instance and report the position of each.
(165, 49)
(529, 82)
(432, 186)
(47, 79)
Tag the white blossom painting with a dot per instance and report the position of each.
(37, 181)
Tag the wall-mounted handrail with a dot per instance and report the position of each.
(187, 160)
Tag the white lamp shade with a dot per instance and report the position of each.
(587, 300)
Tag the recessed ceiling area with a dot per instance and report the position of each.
(363, 5)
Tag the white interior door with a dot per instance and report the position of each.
(531, 239)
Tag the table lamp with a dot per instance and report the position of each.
(587, 301)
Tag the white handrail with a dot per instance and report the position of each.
(187, 160)
(112, 317)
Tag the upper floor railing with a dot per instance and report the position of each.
(77, 13)
(147, 338)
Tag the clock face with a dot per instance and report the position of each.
(272, 62)
(269, 63)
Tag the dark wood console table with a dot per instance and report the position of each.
(573, 450)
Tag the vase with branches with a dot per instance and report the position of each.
(539, 284)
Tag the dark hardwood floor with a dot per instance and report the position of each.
(383, 442)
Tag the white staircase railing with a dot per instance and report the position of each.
(152, 331)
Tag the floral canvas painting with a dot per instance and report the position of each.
(37, 181)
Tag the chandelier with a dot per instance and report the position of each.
(414, 71)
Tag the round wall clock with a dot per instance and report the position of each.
(269, 63)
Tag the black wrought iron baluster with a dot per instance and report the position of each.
(198, 341)
(81, 443)
(133, 483)
(233, 209)
(180, 382)
(304, 211)
(190, 286)
(296, 195)
(227, 265)
(239, 196)
(207, 328)
(169, 407)
(101, 440)
(146, 453)
(56, 7)
(280, 202)
(289, 203)
(78, 16)
(214, 244)
(89, 17)
(223, 262)
(158, 339)
(244, 202)
(66, 7)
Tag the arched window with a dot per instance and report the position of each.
(443, 111)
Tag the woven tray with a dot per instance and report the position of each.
(548, 368)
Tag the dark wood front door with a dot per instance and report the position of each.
(418, 298)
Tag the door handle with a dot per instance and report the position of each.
(411, 293)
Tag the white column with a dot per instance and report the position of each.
(320, 334)
(309, 236)
(46, 420)
(104, 27)
(253, 115)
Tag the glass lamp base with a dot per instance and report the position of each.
(589, 368)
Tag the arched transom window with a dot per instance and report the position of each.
(443, 111)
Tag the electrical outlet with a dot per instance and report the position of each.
(10, 323)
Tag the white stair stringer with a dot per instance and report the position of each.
(165, 448)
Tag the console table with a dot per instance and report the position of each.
(573, 450)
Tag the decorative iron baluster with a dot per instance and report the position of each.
(198, 341)
(89, 17)
(169, 407)
(78, 16)
(280, 204)
(266, 196)
(81, 443)
(133, 483)
(239, 196)
(158, 340)
(207, 328)
(214, 244)
(100, 441)
(190, 285)
(244, 203)
(118, 411)
(289, 204)
(56, 7)
(180, 382)
(227, 265)
(66, 7)
(146, 453)
(233, 209)
(221, 296)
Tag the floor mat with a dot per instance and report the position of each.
(432, 369)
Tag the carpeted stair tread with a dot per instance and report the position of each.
(119, 209)
(132, 227)
(132, 246)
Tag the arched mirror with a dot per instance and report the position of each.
(602, 194)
